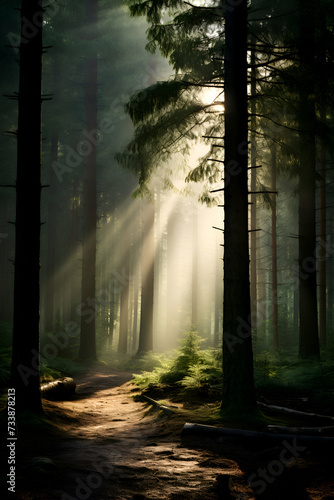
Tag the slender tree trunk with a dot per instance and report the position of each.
(51, 255)
(262, 287)
(322, 250)
(113, 313)
(52, 218)
(135, 311)
(322, 189)
(147, 290)
(75, 283)
(218, 298)
(296, 308)
(238, 379)
(87, 338)
(172, 322)
(330, 275)
(26, 326)
(274, 247)
(124, 309)
(308, 335)
(6, 271)
(253, 254)
(194, 284)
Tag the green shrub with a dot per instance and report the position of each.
(190, 368)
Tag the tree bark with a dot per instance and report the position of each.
(147, 290)
(253, 248)
(323, 243)
(51, 255)
(194, 281)
(172, 322)
(274, 247)
(124, 308)
(308, 334)
(6, 297)
(330, 275)
(26, 325)
(218, 298)
(238, 379)
(322, 190)
(87, 337)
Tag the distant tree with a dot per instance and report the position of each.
(124, 305)
(26, 329)
(274, 244)
(147, 291)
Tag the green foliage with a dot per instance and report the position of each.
(273, 371)
(153, 10)
(170, 115)
(146, 103)
(191, 367)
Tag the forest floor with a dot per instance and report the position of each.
(103, 444)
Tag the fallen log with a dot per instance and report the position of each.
(293, 412)
(164, 408)
(308, 431)
(220, 434)
(62, 388)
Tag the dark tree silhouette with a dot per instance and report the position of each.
(87, 337)
(238, 383)
(309, 341)
(26, 326)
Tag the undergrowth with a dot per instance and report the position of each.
(190, 367)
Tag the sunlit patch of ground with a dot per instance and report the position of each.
(108, 446)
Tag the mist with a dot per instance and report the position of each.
(166, 227)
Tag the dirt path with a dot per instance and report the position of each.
(119, 449)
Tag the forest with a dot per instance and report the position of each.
(166, 249)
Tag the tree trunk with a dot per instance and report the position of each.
(253, 248)
(308, 334)
(330, 275)
(322, 189)
(274, 246)
(124, 309)
(75, 277)
(147, 290)
(194, 284)
(6, 297)
(238, 379)
(172, 322)
(87, 337)
(51, 255)
(218, 298)
(26, 326)
(322, 249)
